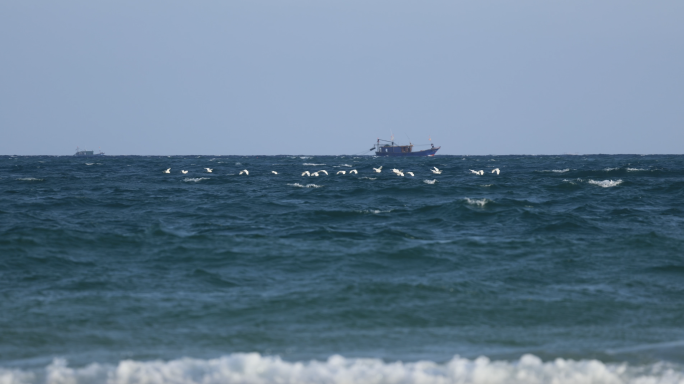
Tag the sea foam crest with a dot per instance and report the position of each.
(195, 179)
(305, 186)
(254, 368)
(477, 202)
(605, 183)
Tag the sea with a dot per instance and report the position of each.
(559, 269)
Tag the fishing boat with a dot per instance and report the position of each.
(87, 153)
(388, 148)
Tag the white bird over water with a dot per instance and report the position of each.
(342, 172)
(324, 171)
(436, 171)
(306, 173)
(246, 172)
(496, 170)
(274, 172)
(480, 172)
(378, 170)
(410, 173)
(184, 171)
(168, 171)
(353, 171)
(209, 170)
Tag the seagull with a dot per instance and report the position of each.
(274, 172)
(378, 170)
(246, 172)
(306, 173)
(480, 172)
(324, 171)
(353, 171)
(209, 170)
(436, 171)
(342, 172)
(410, 173)
(184, 171)
(496, 170)
(168, 171)
(315, 174)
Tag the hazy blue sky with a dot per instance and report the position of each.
(329, 77)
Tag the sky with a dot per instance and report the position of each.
(329, 77)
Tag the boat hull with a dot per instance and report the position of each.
(427, 152)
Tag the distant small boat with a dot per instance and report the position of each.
(87, 153)
(390, 149)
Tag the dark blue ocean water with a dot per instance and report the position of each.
(565, 268)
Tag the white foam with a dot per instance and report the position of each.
(195, 179)
(305, 186)
(605, 183)
(312, 164)
(253, 368)
(29, 179)
(479, 203)
(430, 181)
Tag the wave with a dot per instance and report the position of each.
(605, 183)
(479, 203)
(195, 179)
(29, 179)
(430, 181)
(305, 186)
(254, 368)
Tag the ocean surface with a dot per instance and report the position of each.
(561, 269)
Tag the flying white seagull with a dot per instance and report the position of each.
(496, 170)
(342, 172)
(306, 173)
(378, 170)
(184, 171)
(353, 171)
(480, 172)
(168, 171)
(246, 172)
(209, 170)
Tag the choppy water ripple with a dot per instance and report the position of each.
(577, 257)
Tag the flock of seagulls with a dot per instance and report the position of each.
(398, 172)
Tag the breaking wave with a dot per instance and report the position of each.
(477, 202)
(605, 183)
(255, 368)
(305, 186)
